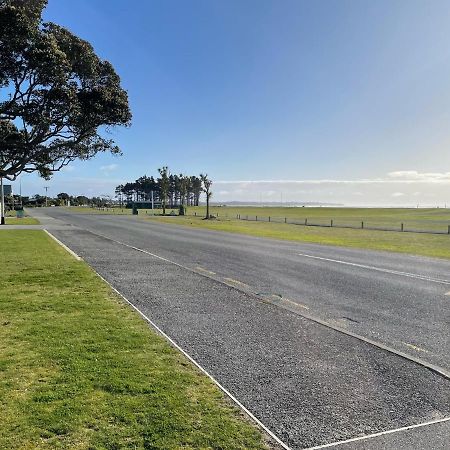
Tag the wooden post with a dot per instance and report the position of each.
(285, 221)
(306, 221)
(362, 224)
(401, 227)
(269, 218)
(331, 224)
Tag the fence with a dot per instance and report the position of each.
(405, 227)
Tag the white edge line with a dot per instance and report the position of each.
(222, 388)
(168, 338)
(193, 361)
(418, 361)
(67, 249)
(382, 433)
(379, 269)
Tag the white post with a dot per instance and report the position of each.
(2, 212)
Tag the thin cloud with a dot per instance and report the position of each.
(397, 177)
(414, 176)
(401, 187)
(109, 168)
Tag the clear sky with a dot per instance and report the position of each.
(325, 100)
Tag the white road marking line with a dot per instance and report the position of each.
(233, 281)
(210, 272)
(415, 347)
(193, 361)
(382, 433)
(380, 269)
(349, 333)
(67, 249)
(431, 367)
(295, 303)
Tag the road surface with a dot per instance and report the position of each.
(250, 310)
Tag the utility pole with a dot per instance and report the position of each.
(2, 211)
(153, 204)
(46, 191)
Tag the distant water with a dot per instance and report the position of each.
(321, 205)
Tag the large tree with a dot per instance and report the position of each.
(56, 94)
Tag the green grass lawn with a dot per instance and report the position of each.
(414, 243)
(118, 211)
(11, 219)
(107, 211)
(89, 210)
(433, 219)
(80, 369)
(22, 221)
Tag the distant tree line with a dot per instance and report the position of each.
(167, 191)
(62, 199)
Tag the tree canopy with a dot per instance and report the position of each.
(56, 94)
(174, 191)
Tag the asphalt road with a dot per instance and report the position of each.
(310, 384)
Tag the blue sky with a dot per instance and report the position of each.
(332, 101)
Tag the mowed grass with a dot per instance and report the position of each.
(414, 243)
(106, 211)
(22, 221)
(426, 219)
(80, 369)
(11, 219)
(432, 219)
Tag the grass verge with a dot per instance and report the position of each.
(22, 221)
(79, 369)
(414, 243)
(11, 219)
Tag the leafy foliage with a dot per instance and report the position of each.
(169, 190)
(56, 94)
